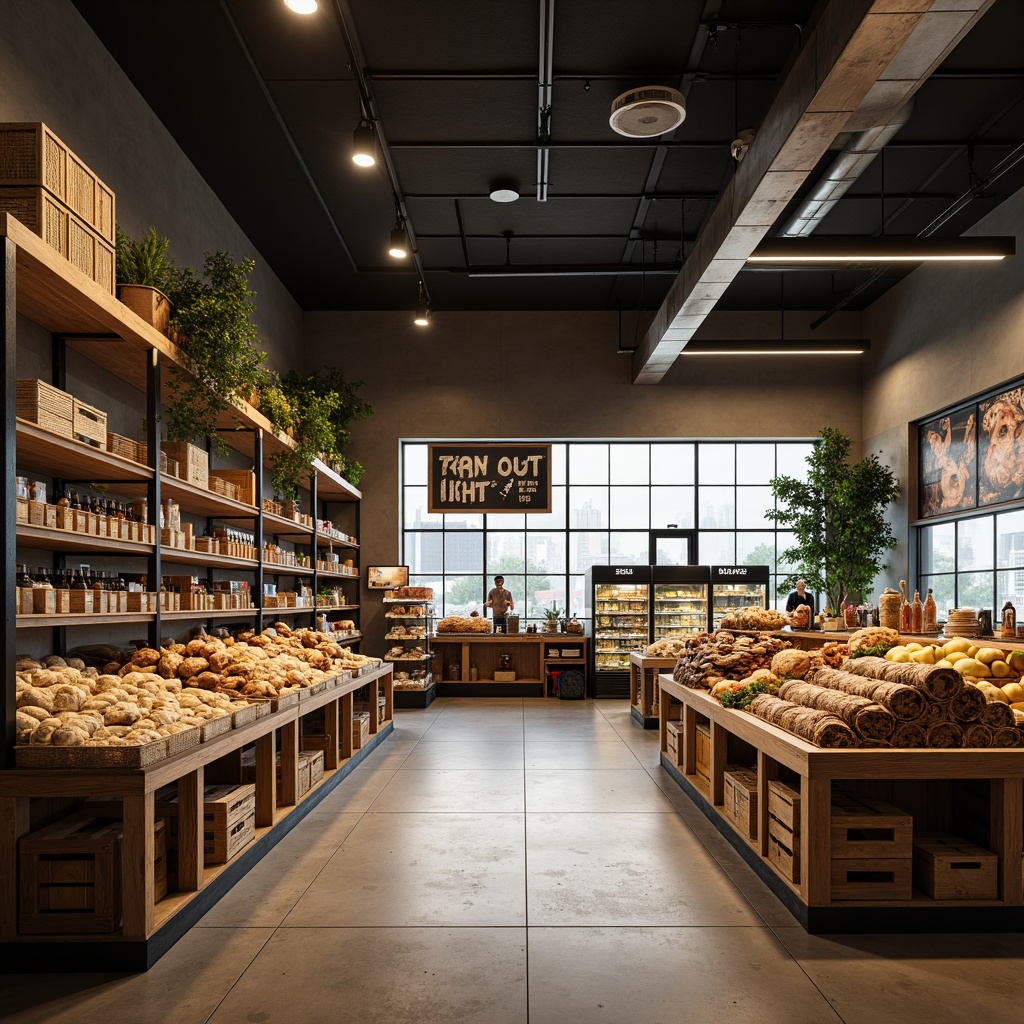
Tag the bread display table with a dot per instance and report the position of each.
(471, 663)
(833, 870)
(643, 687)
(150, 927)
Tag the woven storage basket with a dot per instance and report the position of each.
(46, 405)
(90, 423)
(193, 463)
(125, 447)
(224, 487)
(30, 154)
(62, 231)
(244, 481)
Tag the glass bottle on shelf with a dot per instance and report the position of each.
(930, 616)
(917, 613)
(24, 577)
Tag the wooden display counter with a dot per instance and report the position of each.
(643, 687)
(471, 663)
(787, 820)
(29, 799)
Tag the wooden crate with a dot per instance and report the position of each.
(21, 510)
(30, 154)
(42, 403)
(90, 424)
(702, 748)
(784, 850)
(674, 741)
(223, 806)
(872, 878)
(225, 488)
(63, 231)
(243, 479)
(863, 828)
(222, 844)
(360, 729)
(314, 760)
(784, 804)
(501, 676)
(740, 799)
(193, 463)
(947, 867)
(70, 875)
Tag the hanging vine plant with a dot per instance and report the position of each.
(213, 318)
(322, 405)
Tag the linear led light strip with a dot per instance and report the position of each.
(882, 250)
(778, 347)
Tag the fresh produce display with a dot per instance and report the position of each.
(708, 658)
(915, 695)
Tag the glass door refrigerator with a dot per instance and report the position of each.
(737, 586)
(680, 601)
(619, 606)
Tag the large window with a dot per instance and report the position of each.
(606, 498)
(973, 563)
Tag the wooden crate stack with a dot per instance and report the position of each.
(872, 848)
(784, 829)
(674, 741)
(229, 820)
(702, 748)
(49, 189)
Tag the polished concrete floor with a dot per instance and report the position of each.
(513, 861)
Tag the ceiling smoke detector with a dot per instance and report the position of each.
(650, 110)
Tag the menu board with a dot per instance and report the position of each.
(500, 477)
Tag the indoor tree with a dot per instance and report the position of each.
(837, 515)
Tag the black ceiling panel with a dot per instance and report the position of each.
(453, 87)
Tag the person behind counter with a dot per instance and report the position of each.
(800, 597)
(500, 601)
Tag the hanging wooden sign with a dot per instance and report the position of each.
(499, 477)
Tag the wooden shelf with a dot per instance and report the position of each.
(226, 613)
(276, 569)
(47, 539)
(338, 575)
(50, 454)
(178, 556)
(85, 619)
(279, 526)
(200, 501)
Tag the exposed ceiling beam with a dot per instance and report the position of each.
(854, 59)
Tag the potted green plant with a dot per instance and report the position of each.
(551, 617)
(145, 275)
(212, 316)
(837, 515)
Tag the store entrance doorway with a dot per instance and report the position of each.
(673, 547)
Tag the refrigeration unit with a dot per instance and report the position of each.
(737, 586)
(630, 606)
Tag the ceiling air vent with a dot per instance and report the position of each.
(651, 110)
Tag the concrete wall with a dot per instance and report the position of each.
(946, 333)
(550, 376)
(54, 69)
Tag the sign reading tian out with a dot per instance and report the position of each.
(490, 477)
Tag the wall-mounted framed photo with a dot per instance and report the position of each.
(387, 577)
(948, 469)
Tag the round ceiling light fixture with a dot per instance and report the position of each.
(301, 6)
(647, 111)
(504, 195)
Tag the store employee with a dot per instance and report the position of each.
(499, 600)
(799, 597)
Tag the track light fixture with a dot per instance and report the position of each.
(399, 248)
(301, 6)
(364, 145)
(422, 317)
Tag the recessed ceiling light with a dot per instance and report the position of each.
(504, 195)
(301, 6)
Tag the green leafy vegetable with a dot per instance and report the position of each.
(874, 651)
(740, 700)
